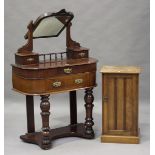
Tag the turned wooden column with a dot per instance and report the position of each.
(89, 98)
(45, 107)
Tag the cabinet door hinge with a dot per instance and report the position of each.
(105, 98)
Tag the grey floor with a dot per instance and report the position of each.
(15, 125)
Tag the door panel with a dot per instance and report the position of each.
(111, 105)
(120, 103)
(105, 105)
(118, 109)
(128, 101)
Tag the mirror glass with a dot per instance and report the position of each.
(51, 24)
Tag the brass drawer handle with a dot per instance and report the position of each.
(82, 54)
(30, 59)
(56, 84)
(68, 70)
(78, 81)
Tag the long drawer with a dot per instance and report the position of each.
(55, 84)
(53, 72)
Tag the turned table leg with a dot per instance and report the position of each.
(89, 98)
(45, 107)
(30, 114)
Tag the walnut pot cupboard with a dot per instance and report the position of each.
(120, 104)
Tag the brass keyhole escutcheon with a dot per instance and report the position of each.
(68, 70)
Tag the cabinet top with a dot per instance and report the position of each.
(120, 69)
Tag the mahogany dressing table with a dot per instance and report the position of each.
(45, 74)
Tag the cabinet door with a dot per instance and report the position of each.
(120, 112)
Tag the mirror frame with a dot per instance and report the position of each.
(49, 14)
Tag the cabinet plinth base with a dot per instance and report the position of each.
(120, 139)
(77, 130)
